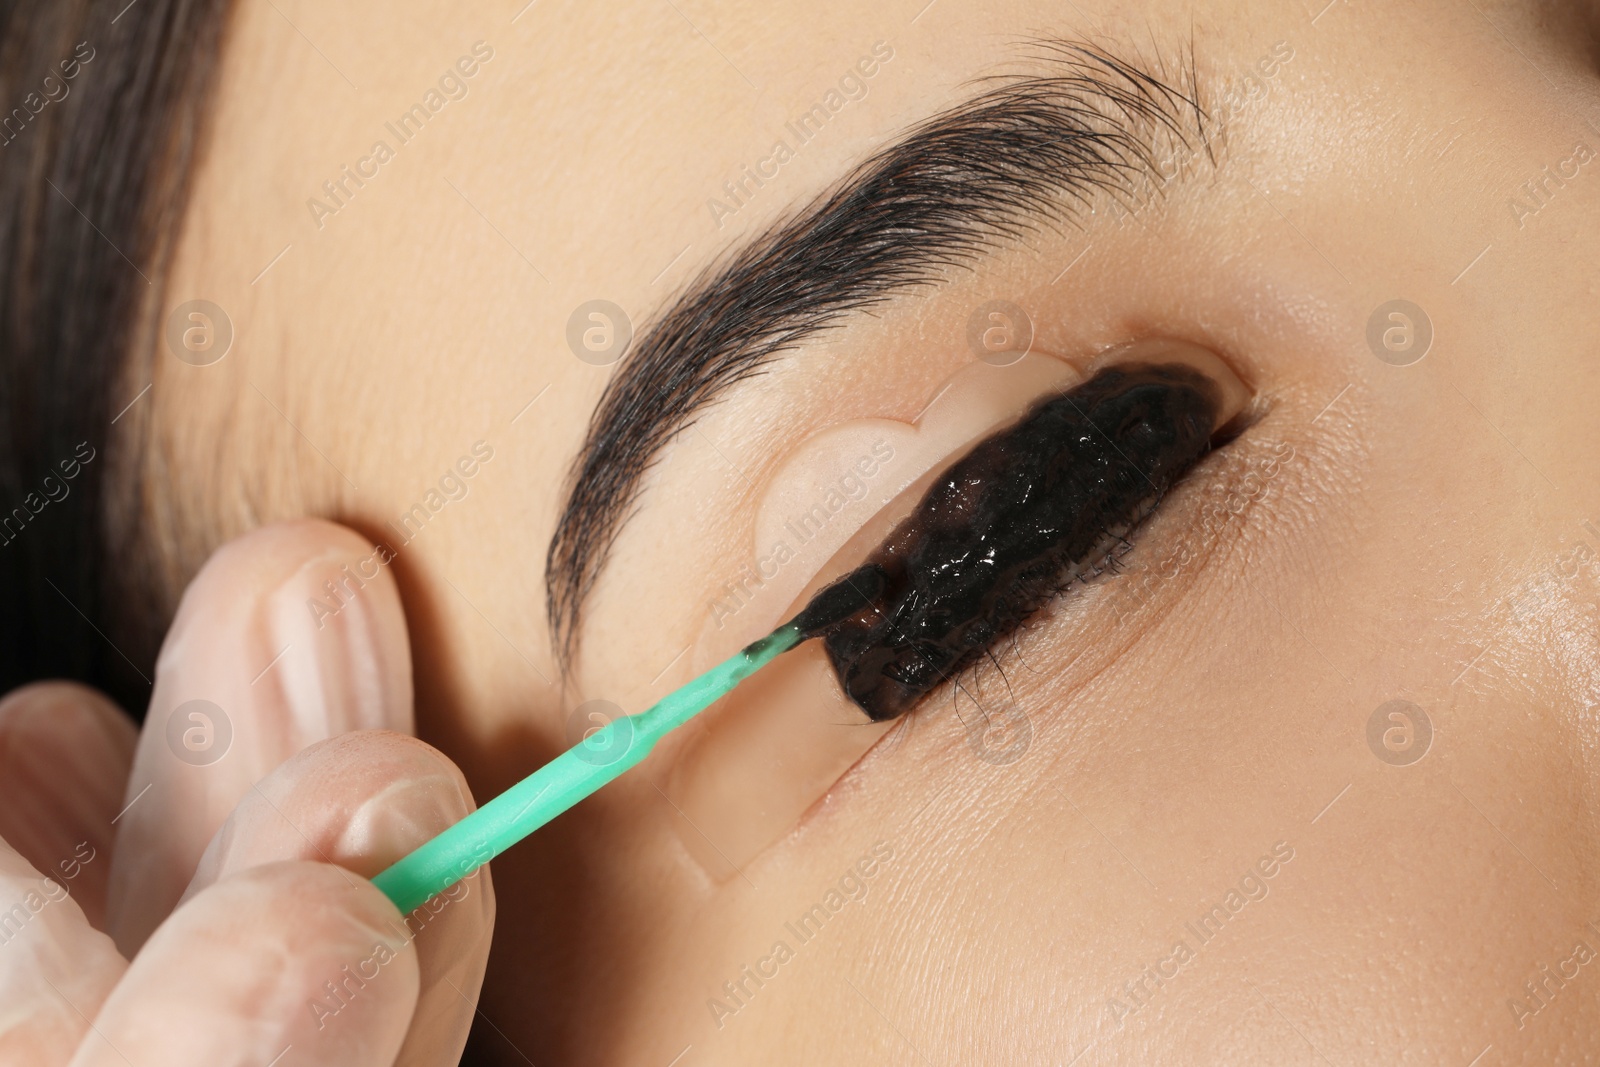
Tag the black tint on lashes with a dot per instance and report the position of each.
(1001, 530)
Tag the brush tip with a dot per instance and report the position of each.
(840, 600)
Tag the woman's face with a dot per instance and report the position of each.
(1308, 775)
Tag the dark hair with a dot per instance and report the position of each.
(102, 115)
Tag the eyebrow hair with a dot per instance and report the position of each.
(1025, 151)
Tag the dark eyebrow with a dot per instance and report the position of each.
(1025, 150)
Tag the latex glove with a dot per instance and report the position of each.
(236, 868)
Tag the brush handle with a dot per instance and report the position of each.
(459, 851)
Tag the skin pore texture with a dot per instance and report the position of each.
(1189, 734)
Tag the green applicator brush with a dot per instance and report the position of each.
(991, 542)
(597, 759)
(1028, 508)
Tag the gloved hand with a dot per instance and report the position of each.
(198, 894)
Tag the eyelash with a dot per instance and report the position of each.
(1042, 504)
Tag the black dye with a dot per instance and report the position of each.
(1004, 527)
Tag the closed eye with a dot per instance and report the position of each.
(1025, 512)
(955, 563)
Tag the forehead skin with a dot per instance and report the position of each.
(1385, 533)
